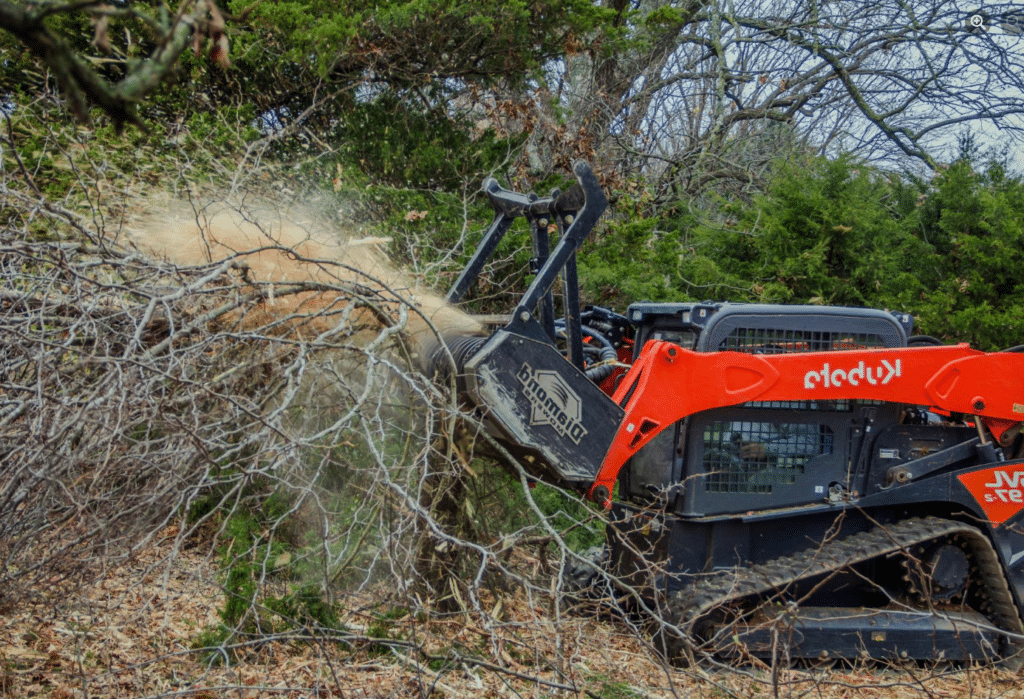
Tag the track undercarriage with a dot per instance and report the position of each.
(935, 586)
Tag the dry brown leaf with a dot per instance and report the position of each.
(100, 37)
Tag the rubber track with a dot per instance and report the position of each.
(688, 606)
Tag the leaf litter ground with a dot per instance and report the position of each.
(131, 634)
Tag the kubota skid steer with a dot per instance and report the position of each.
(805, 477)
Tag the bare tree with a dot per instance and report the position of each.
(705, 90)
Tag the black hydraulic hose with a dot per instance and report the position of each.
(923, 340)
(597, 374)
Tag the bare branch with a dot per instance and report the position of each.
(81, 84)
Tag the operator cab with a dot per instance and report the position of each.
(761, 455)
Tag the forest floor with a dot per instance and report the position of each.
(132, 634)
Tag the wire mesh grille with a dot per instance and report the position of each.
(751, 457)
(781, 341)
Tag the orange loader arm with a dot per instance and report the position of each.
(668, 383)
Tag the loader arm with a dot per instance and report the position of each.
(668, 383)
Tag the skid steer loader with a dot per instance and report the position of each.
(813, 478)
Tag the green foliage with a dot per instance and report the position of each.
(95, 170)
(221, 133)
(822, 233)
(436, 231)
(257, 555)
(395, 142)
(609, 688)
(305, 606)
(630, 260)
(572, 517)
(213, 643)
(839, 232)
(413, 42)
(501, 507)
(253, 551)
(308, 37)
(383, 627)
(972, 216)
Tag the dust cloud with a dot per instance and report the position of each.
(289, 244)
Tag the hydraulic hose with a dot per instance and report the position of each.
(607, 353)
